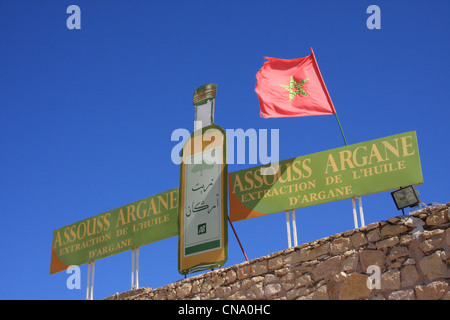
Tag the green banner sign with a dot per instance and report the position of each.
(131, 226)
(347, 172)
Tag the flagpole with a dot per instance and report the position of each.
(328, 95)
(342, 131)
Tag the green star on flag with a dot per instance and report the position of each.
(295, 88)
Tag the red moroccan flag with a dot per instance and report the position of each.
(292, 88)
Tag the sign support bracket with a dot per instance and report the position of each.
(361, 213)
(294, 228)
(135, 268)
(90, 282)
(288, 228)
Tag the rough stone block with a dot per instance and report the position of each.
(437, 218)
(430, 244)
(432, 291)
(243, 272)
(372, 257)
(303, 280)
(293, 257)
(258, 268)
(433, 267)
(184, 290)
(239, 295)
(389, 242)
(409, 276)
(256, 291)
(359, 239)
(374, 235)
(230, 276)
(340, 245)
(390, 280)
(310, 254)
(402, 295)
(397, 252)
(327, 268)
(272, 289)
(275, 263)
(321, 293)
(349, 263)
(270, 278)
(354, 287)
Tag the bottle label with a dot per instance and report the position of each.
(202, 208)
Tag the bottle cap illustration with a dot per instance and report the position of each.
(206, 91)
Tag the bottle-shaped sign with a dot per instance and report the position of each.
(202, 210)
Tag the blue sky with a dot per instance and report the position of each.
(87, 115)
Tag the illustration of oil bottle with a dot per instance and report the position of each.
(203, 211)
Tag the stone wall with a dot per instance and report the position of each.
(404, 258)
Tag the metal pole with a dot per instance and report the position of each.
(92, 281)
(288, 229)
(137, 268)
(355, 218)
(235, 234)
(361, 213)
(294, 228)
(340, 127)
(132, 269)
(88, 281)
